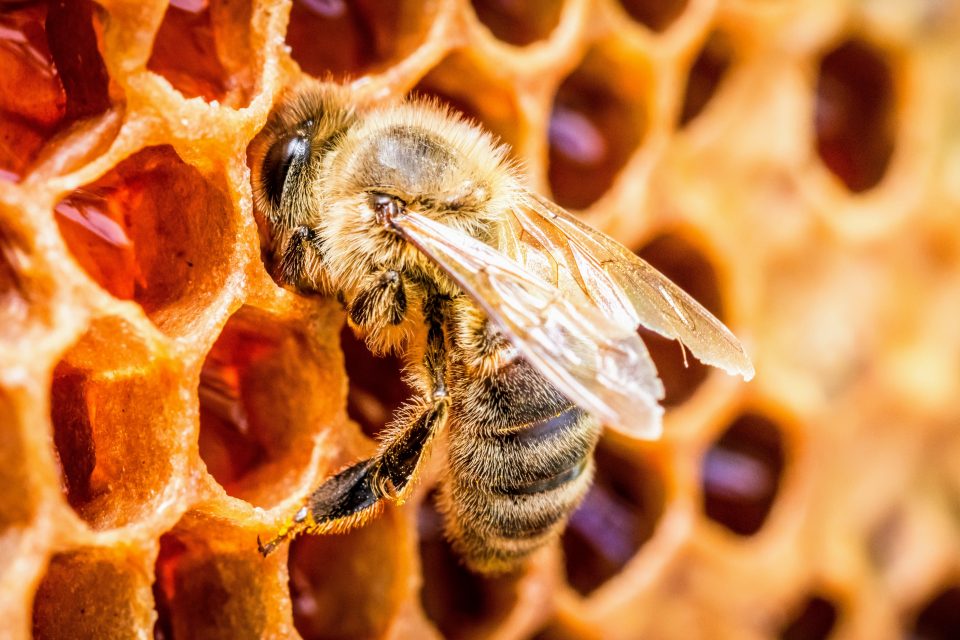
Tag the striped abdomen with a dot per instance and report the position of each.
(519, 462)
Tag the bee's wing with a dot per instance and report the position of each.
(601, 365)
(625, 287)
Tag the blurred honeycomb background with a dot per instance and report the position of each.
(794, 165)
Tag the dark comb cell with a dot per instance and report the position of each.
(705, 76)
(596, 124)
(814, 621)
(618, 515)
(940, 617)
(347, 585)
(376, 388)
(741, 474)
(855, 114)
(370, 34)
(519, 22)
(656, 15)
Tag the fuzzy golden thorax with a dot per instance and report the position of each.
(320, 166)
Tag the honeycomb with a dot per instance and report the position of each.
(795, 166)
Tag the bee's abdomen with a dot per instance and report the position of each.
(520, 462)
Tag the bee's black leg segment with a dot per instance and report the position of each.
(383, 300)
(350, 494)
(355, 493)
(302, 247)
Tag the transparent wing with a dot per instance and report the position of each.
(599, 364)
(623, 286)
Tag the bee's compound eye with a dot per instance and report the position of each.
(276, 165)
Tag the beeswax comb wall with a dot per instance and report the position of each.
(795, 166)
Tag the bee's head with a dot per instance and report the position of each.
(327, 180)
(287, 156)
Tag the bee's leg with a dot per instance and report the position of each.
(355, 494)
(300, 261)
(382, 301)
(435, 356)
(403, 449)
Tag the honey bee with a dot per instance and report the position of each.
(517, 322)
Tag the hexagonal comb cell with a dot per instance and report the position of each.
(348, 585)
(705, 76)
(114, 411)
(201, 48)
(813, 621)
(458, 82)
(616, 518)
(855, 114)
(656, 15)
(31, 114)
(370, 34)
(741, 474)
(680, 261)
(519, 23)
(939, 619)
(153, 230)
(206, 588)
(92, 593)
(53, 76)
(597, 122)
(376, 387)
(460, 603)
(260, 409)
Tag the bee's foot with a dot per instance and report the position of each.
(267, 549)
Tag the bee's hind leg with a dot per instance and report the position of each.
(356, 494)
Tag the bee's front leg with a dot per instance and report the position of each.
(381, 301)
(356, 494)
(301, 260)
